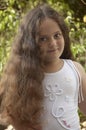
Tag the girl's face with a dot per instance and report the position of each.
(50, 40)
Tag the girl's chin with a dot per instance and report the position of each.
(51, 60)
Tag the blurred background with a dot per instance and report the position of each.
(74, 12)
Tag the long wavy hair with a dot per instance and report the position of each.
(21, 83)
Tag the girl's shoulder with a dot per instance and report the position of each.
(79, 67)
(83, 78)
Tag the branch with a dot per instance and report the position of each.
(83, 2)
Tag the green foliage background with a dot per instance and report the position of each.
(12, 11)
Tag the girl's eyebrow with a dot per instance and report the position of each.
(42, 35)
(58, 31)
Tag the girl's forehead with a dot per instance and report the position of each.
(48, 26)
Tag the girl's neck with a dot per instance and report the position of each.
(54, 66)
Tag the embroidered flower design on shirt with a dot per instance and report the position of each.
(52, 91)
(57, 111)
(65, 123)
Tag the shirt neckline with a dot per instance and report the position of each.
(53, 73)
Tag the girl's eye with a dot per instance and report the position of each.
(57, 35)
(42, 39)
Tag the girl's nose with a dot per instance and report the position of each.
(52, 42)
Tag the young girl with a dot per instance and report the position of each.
(42, 87)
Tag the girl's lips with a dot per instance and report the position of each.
(52, 50)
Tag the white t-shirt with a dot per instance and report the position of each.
(61, 96)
